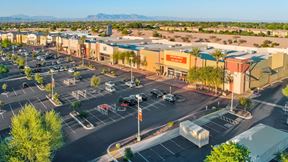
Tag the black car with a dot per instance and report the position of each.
(143, 96)
(36, 70)
(157, 93)
(127, 100)
(25, 85)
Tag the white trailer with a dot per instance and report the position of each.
(194, 133)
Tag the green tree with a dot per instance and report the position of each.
(95, 81)
(3, 69)
(122, 56)
(28, 72)
(128, 154)
(245, 102)
(4, 87)
(218, 55)
(35, 137)
(285, 91)
(6, 43)
(39, 79)
(196, 53)
(75, 105)
(229, 152)
(283, 157)
(193, 75)
(116, 56)
(48, 88)
(20, 62)
(2, 103)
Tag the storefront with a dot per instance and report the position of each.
(176, 64)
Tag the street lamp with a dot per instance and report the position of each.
(52, 84)
(131, 58)
(139, 119)
(82, 53)
(231, 80)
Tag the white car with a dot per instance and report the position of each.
(110, 89)
(169, 97)
(130, 84)
(135, 97)
(71, 70)
(110, 84)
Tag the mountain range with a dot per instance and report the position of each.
(115, 17)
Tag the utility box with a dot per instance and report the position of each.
(194, 133)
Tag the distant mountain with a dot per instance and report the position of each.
(25, 18)
(119, 17)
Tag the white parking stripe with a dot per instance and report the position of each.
(68, 126)
(96, 118)
(11, 109)
(163, 159)
(21, 105)
(30, 102)
(167, 149)
(14, 92)
(42, 103)
(118, 115)
(142, 157)
(31, 89)
(23, 91)
(218, 124)
(177, 144)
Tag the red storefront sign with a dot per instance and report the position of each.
(177, 59)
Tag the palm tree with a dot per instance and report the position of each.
(82, 41)
(245, 102)
(218, 55)
(196, 53)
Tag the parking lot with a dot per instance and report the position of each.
(153, 109)
(181, 149)
(18, 96)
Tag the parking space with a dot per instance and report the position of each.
(181, 149)
(116, 113)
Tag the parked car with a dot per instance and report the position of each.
(110, 84)
(134, 97)
(54, 70)
(36, 70)
(110, 89)
(130, 84)
(71, 70)
(143, 96)
(25, 85)
(61, 68)
(170, 98)
(127, 100)
(156, 93)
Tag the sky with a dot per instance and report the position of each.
(272, 10)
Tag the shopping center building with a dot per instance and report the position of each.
(249, 67)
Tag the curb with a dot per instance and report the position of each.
(74, 117)
(53, 101)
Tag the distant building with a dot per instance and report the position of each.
(109, 30)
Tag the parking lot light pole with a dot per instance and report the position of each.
(232, 93)
(131, 69)
(138, 120)
(52, 85)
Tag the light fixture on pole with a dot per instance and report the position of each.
(131, 58)
(231, 81)
(139, 119)
(52, 84)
